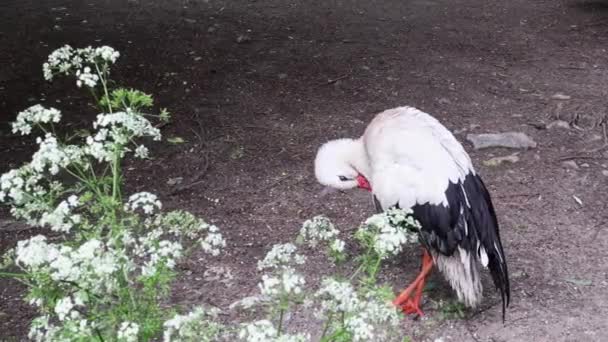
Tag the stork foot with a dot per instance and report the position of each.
(409, 299)
(411, 307)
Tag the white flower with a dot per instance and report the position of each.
(34, 251)
(107, 53)
(86, 77)
(337, 246)
(35, 114)
(269, 286)
(292, 282)
(146, 201)
(281, 255)
(135, 124)
(51, 156)
(213, 242)
(264, 331)
(141, 152)
(338, 296)
(128, 332)
(288, 283)
(61, 219)
(60, 60)
(67, 59)
(318, 229)
(390, 231)
(41, 330)
(63, 307)
(259, 331)
(360, 328)
(157, 251)
(197, 325)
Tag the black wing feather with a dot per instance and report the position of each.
(468, 222)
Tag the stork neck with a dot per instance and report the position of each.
(359, 158)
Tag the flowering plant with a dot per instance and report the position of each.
(104, 275)
(349, 308)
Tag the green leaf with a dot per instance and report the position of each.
(164, 115)
(122, 98)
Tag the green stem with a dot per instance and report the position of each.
(13, 275)
(116, 175)
(126, 276)
(356, 272)
(375, 267)
(105, 86)
(327, 324)
(97, 102)
(281, 313)
(99, 335)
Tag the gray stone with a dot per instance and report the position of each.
(508, 139)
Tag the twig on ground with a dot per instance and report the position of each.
(332, 81)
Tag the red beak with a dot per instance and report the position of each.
(363, 183)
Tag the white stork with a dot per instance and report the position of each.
(408, 159)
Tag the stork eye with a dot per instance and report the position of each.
(342, 178)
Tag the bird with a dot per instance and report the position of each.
(407, 159)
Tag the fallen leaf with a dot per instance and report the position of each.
(513, 158)
(579, 282)
(560, 96)
(578, 200)
(176, 140)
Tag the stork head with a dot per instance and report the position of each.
(340, 164)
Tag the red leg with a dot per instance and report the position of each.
(409, 299)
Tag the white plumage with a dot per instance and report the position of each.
(409, 159)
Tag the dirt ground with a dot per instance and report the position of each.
(255, 86)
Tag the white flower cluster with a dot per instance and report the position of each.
(264, 331)
(148, 202)
(118, 129)
(61, 219)
(213, 242)
(337, 296)
(195, 326)
(157, 251)
(390, 230)
(78, 329)
(86, 77)
(128, 332)
(17, 184)
(318, 229)
(283, 283)
(91, 266)
(182, 223)
(289, 283)
(52, 156)
(135, 124)
(66, 60)
(281, 256)
(35, 114)
(141, 152)
(361, 315)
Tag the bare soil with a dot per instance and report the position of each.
(253, 110)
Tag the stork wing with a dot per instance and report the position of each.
(417, 163)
